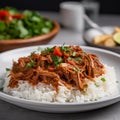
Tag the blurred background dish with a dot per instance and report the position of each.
(19, 29)
(90, 34)
(40, 39)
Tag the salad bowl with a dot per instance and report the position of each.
(37, 40)
(20, 29)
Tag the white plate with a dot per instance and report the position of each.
(91, 33)
(110, 58)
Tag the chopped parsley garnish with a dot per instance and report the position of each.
(76, 59)
(31, 64)
(103, 79)
(69, 58)
(95, 99)
(56, 59)
(32, 53)
(8, 69)
(48, 50)
(66, 49)
(96, 84)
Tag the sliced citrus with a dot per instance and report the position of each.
(116, 37)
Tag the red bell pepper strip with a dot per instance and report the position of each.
(5, 16)
(57, 51)
(18, 16)
(71, 62)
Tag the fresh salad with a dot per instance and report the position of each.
(20, 25)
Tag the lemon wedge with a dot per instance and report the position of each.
(116, 37)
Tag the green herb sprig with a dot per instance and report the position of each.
(103, 79)
(7, 69)
(66, 49)
(31, 64)
(48, 50)
(96, 84)
(56, 60)
(76, 58)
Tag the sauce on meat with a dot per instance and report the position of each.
(59, 65)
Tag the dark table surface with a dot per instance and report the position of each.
(12, 112)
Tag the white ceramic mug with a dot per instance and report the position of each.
(72, 15)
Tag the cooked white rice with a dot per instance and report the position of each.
(46, 93)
